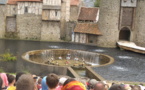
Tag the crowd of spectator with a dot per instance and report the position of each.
(23, 81)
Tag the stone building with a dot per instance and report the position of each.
(29, 19)
(86, 33)
(86, 30)
(2, 17)
(51, 16)
(121, 20)
(55, 20)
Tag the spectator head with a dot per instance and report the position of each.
(92, 83)
(117, 87)
(68, 80)
(136, 87)
(11, 79)
(99, 86)
(62, 80)
(18, 75)
(73, 85)
(52, 80)
(127, 87)
(25, 82)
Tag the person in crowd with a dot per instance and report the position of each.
(127, 87)
(38, 81)
(35, 81)
(25, 82)
(11, 80)
(116, 87)
(136, 87)
(60, 83)
(18, 75)
(43, 84)
(1, 84)
(52, 81)
(5, 79)
(71, 84)
(82, 80)
(92, 83)
(99, 86)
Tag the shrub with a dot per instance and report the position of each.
(97, 3)
(7, 56)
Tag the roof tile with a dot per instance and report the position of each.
(15, 1)
(89, 28)
(88, 14)
(75, 2)
(12, 2)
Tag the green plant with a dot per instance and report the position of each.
(97, 3)
(1, 70)
(7, 56)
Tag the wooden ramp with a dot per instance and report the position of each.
(131, 46)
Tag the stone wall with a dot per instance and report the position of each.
(65, 15)
(139, 24)
(69, 30)
(50, 31)
(108, 23)
(29, 26)
(74, 12)
(2, 20)
(92, 38)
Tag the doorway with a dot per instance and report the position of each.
(124, 34)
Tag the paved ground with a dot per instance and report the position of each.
(128, 66)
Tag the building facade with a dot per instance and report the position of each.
(56, 20)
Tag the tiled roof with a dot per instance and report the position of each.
(15, 1)
(88, 14)
(12, 2)
(89, 28)
(30, 0)
(75, 2)
(3, 1)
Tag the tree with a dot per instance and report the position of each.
(97, 3)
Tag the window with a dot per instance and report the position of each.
(26, 9)
(56, 13)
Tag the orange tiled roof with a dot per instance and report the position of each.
(12, 2)
(15, 1)
(88, 14)
(30, 0)
(89, 28)
(75, 2)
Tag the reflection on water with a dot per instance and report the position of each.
(99, 50)
(119, 68)
(125, 57)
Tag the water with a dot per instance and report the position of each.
(128, 66)
(61, 56)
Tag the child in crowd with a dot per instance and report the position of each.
(11, 80)
(52, 81)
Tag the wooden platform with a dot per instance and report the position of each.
(131, 46)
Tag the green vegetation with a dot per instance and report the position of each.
(1, 70)
(97, 3)
(7, 56)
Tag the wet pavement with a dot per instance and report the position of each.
(128, 66)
